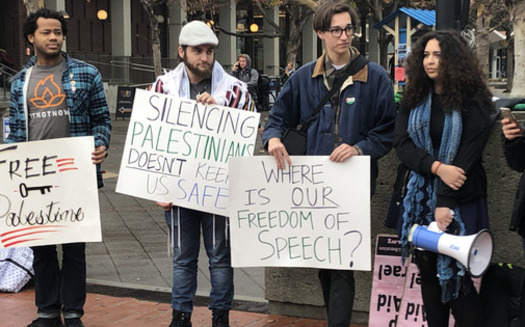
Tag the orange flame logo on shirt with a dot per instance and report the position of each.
(47, 94)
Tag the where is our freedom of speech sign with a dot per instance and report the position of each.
(177, 150)
(314, 213)
(48, 193)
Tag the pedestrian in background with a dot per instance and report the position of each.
(199, 77)
(514, 150)
(59, 288)
(288, 71)
(357, 120)
(244, 71)
(442, 128)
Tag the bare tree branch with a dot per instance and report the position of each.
(266, 18)
(33, 5)
(310, 4)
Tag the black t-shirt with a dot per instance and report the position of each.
(200, 87)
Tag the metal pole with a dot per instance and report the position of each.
(452, 14)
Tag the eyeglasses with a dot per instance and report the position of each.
(338, 31)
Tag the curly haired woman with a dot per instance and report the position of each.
(441, 130)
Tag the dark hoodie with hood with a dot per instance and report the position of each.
(248, 75)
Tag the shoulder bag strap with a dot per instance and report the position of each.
(356, 65)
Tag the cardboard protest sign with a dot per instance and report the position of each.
(388, 282)
(412, 311)
(396, 291)
(396, 288)
(315, 213)
(177, 150)
(48, 193)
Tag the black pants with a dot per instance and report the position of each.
(466, 309)
(502, 294)
(338, 292)
(60, 288)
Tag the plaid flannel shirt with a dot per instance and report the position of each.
(89, 113)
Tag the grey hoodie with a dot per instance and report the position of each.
(248, 75)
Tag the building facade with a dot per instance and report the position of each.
(115, 36)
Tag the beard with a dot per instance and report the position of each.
(45, 53)
(200, 72)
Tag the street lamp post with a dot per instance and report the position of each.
(102, 15)
(452, 14)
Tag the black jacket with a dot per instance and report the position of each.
(515, 155)
(476, 131)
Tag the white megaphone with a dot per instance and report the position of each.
(473, 251)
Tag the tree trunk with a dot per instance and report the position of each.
(155, 46)
(483, 38)
(510, 62)
(157, 64)
(33, 5)
(379, 11)
(293, 46)
(155, 38)
(483, 50)
(384, 41)
(518, 19)
(297, 21)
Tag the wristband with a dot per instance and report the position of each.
(437, 167)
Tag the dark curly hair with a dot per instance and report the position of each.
(464, 86)
(30, 25)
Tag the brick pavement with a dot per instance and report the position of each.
(17, 309)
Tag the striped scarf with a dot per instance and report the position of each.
(423, 187)
(225, 89)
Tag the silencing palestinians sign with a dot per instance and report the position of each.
(315, 213)
(177, 150)
(48, 193)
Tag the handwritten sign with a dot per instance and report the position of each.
(48, 193)
(177, 150)
(315, 213)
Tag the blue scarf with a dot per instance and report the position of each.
(423, 187)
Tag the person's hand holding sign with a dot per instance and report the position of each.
(277, 149)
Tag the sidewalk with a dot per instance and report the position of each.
(134, 251)
(129, 273)
(18, 310)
